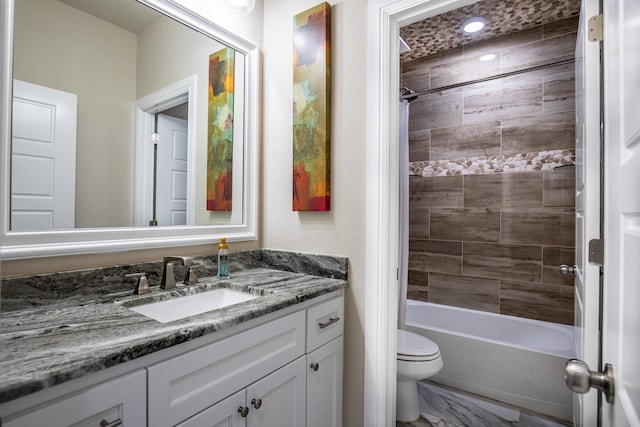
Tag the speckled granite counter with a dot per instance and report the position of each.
(54, 343)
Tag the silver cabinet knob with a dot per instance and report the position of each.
(314, 366)
(244, 411)
(580, 378)
(257, 403)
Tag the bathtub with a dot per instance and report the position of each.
(510, 359)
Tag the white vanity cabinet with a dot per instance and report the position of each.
(278, 400)
(189, 383)
(325, 327)
(118, 402)
(283, 372)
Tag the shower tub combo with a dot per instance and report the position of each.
(510, 359)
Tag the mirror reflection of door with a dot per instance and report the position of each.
(171, 195)
(43, 158)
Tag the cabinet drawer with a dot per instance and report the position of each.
(189, 383)
(324, 322)
(123, 398)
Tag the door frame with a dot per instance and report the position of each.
(175, 94)
(385, 18)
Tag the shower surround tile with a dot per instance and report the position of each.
(436, 112)
(435, 255)
(463, 70)
(418, 222)
(465, 141)
(416, 79)
(551, 303)
(473, 224)
(483, 190)
(538, 52)
(560, 187)
(544, 160)
(419, 142)
(560, 28)
(510, 262)
(507, 101)
(537, 227)
(522, 190)
(464, 291)
(512, 142)
(442, 192)
(546, 132)
(558, 92)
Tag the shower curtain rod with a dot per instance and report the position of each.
(485, 79)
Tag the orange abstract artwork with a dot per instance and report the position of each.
(220, 130)
(311, 109)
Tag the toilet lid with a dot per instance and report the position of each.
(412, 346)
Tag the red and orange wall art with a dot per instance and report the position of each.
(220, 130)
(311, 109)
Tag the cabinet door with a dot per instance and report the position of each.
(223, 414)
(324, 385)
(187, 384)
(124, 399)
(278, 400)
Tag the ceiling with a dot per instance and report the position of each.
(127, 14)
(443, 32)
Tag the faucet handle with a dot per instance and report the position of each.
(142, 284)
(190, 278)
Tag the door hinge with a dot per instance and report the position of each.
(596, 251)
(595, 29)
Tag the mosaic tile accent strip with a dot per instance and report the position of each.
(442, 32)
(485, 165)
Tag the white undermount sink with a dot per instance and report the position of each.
(179, 308)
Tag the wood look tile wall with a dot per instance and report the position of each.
(494, 242)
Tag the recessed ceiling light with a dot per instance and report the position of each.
(487, 57)
(473, 25)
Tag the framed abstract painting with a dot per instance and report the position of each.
(312, 109)
(220, 130)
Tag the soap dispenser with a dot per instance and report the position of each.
(223, 259)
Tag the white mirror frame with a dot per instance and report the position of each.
(16, 245)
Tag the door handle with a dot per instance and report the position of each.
(568, 270)
(580, 378)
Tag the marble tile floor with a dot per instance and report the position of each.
(444, 407)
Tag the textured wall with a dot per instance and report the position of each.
(492, 198)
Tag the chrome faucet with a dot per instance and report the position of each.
(168, 277)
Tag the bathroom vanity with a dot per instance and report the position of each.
(275, 360)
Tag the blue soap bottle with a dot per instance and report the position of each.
(223, 259)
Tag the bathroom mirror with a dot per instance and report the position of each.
(129, 66)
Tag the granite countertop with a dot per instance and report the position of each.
(54, 343)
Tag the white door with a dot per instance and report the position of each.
(621, 328)
(172, 171)
(43, 158)
(587, 275)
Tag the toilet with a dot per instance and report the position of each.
(417, 358)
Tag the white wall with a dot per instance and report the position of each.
(341, 231)
(101, 53)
